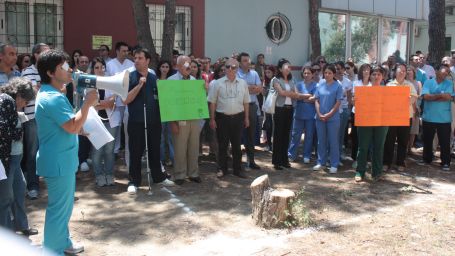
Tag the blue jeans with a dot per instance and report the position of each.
(166, 133)
(17, 180)
(344, 119)
(6, 201)
(298, 127)
(328, 135)
(30, 149)
(105, 153)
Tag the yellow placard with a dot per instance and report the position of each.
(382, 105)
(98, 40)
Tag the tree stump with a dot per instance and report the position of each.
(271, 207)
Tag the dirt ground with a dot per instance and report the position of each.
(410, 213)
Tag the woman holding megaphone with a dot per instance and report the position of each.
(57, 159)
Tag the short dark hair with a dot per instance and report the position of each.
(280, 65)
(120, 44)
(19, 86)
(48, 61)
(412, 56)
(143, 50)
(438, 67)
(104, 45)
(340, 63)
(37, 49)
(242, 54)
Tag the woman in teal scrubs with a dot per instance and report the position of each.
(57, 159)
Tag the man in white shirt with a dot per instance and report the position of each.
(30, 136)
(119, 114)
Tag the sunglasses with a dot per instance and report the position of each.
(231, 67)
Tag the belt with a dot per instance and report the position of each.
(231, 115)
(288, 106)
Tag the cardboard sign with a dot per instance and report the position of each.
(99, 40)
(382, 105)
(182, 100)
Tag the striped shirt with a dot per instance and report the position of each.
(31, 73)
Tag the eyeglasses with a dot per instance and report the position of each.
(347, 67)
(231, 67)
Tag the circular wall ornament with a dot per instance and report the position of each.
(278, 28)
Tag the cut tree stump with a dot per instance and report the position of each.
(271, 207)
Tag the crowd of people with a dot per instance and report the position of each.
(42, 114)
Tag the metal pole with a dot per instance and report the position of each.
(147, 149)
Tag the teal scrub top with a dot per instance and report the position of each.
(437, 111)
(57, 154)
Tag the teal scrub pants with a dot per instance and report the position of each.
(58, 212)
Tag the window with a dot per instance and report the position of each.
(278, 28)
(25, 23)
(333, 36)
(182, 40)
(394, 39)
(364, 39)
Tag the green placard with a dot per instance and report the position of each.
(182, 100)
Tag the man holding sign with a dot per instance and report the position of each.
(185, 134)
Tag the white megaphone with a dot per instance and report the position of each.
(118, 84)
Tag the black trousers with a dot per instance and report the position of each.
(443, 130)
(229, 129)
(282, 120)
(84, 148)
(251, 132)
(400, 134)
(136, 135)
(354, 138)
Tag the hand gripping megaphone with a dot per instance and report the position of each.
(118, 84)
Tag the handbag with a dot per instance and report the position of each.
(269, 104)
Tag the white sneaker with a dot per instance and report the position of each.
(317, 167)
(84, 167)
(132, 190)
(306, 160)
(110, 180)
(354, 164)
(168, 183)
(333, 170)
(74, 249)
(101, 181)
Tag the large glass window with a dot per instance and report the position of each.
(46, 23)
(17, 27)
(364, 39)
(333, 36)
(394, 39)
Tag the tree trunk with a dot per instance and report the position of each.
(168, 30)
(436, 31)
(314, 29)
(271, 208)
(144, 36)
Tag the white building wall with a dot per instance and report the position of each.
(239, 25)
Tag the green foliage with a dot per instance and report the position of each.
(299, 216)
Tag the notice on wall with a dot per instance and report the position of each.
(98, 40)
(382, 105)
(182, 100)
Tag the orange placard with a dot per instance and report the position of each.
(382, 105)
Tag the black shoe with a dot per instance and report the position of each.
(277, 167)
(240, 175)
(196, 179)
(179, 182)
(254, 166)
(30, 232)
